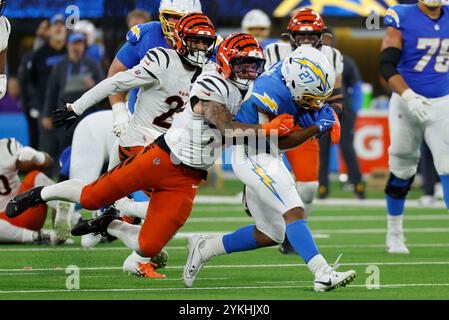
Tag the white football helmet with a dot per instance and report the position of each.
(433, 3)
(88, 28)
(177, 8)
(255, 19)
(309, 76)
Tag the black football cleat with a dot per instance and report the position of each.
(286, 248)
(24, 201)
(96, 225)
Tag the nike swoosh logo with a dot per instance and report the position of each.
(328, 283)
(194, 186)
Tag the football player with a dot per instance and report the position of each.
(415, 63)
(297, 86)
(174, 165)
(258, 24)
(307, 27)
(5, 31)
(140, 39)
(165, 77)
(28, 227)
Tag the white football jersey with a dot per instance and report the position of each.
(276, 52)
(9, 177)
(5, 31)
(191, 139)
(164, 85)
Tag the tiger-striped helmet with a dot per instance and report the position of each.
(306, 26)
(240, 59)
(195, 38)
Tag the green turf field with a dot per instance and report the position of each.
(38, 272)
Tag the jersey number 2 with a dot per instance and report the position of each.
(178, 103)
(6, 185)
(432, 44)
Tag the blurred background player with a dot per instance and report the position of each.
(94, 50)
(137, 17)
(28, 228)
(258, 24)
(5, 30)
(414, 59)
(306, 28)
(297, 86)
(140, 39)
(353, 99)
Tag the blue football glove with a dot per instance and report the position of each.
(326, 118)
(306, 119)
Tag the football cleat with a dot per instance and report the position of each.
(88, 241)
(142, 269)
(63, 219)
(396, 243)
(47, 237)
(160, 260)
(286, 248)
(194, 260)
(24, 201)
(332, 279)
(96, 225)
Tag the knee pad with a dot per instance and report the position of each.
(398, 188)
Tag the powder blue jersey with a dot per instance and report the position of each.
(424, 63)
(139, 40)
(269, 94)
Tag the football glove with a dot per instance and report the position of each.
(282, 123)
(326, 118)
(120, 118)
(306, 119)
(415, 105)
(64, 117)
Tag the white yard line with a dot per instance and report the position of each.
(237, 266)
(383, 286)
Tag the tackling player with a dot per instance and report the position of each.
(5, 31)
(297, 86)
(140, 39)
(174, 165)
(415, 63)
(307, 27)
(28, 227)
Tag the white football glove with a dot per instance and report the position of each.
(3, 85)
(120, 118)
(416, 105)
(29, 154)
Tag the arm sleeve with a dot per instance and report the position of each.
(52, 93)
(5, 31)
(141, 75)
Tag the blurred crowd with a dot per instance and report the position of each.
(65, 63)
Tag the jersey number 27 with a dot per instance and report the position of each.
(432, 44)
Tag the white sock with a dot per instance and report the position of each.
(395, 224)
(129, 207)
(212, 247)
(126, 232)
(69, 190)
(318, 265)
(307, 192)
(135, 257)
(12, 234)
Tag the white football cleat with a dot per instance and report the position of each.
(143, 267)
(396, 243)
(332, 279)
(194, 260)
(90, 240)
(63, 219)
